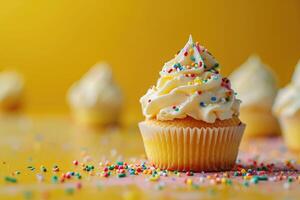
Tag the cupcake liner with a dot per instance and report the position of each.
(290, 131)
(191, 149)
(260, 123)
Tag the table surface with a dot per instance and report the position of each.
(30, 147)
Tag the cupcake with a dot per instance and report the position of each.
(191, 115)
(256, 86)
(287, 108)
(95, 99)
(11, 91)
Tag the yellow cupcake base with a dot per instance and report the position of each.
(90, 118)
(259, 123)
(191, 149)
(291, 132)
(11, 104)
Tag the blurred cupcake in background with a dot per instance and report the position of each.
(11, 91)
(95, 99)
(287, 108)
(256, 86)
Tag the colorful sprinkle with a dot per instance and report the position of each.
(213, 99)
(202, 104)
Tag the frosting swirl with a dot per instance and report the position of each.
(96, 90)
(287, 102)
(190, 85)
(254, 71)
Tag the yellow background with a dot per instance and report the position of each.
(52, 43)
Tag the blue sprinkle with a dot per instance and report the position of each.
(202, 104)
(192, 58)
(213, 99)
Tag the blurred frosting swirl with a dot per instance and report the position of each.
(255, 83)
(287, 102)
(96, 90)
(11, 86)
(190, 86)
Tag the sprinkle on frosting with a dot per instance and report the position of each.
(192, 82)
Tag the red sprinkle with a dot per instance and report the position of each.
(186, 53)
(75, 162)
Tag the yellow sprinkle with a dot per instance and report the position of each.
(223, 180)
(190, 83)
(191, 50)
(197, 81)
(154, 178)
(243, 171)
(247, 177)
(189, 181)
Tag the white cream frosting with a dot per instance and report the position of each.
(287, 102)
(255, 83)
(11, 85)
(96, 90)
(190, 85)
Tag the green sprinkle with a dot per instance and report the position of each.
(78, 175)
(31, 168)
(262, 178)
(10, 179)
(43, 169)
(192, 58)
(121, 175)
(54, 179)
(246, 183)
(290, 179)
(120, 163)
(111, 167)
(229, 182)
(254, 180)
